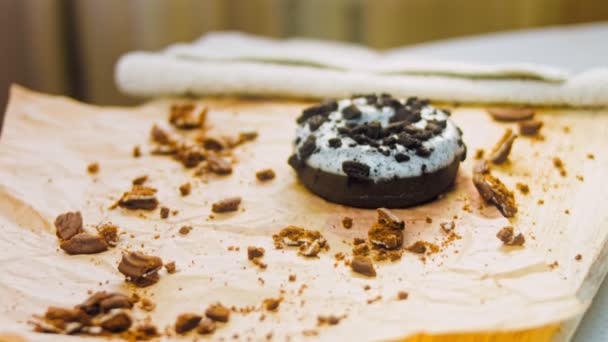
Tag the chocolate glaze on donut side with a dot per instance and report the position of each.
(377, 151)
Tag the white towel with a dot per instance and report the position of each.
(239, 64)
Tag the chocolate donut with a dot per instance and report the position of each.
(374, 151)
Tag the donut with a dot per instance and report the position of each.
(373, 151)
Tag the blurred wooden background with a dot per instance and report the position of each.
(70, 46)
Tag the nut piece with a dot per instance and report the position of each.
(265, 175)
(500, 152)
(363, 265)
(68, 225)
(226, 205)
(186, 322)
(140, 197)
(139, 268)
(530, 127)
(84, 243)
(511, 113)
(388, 219)
(508, 237)
(492, 190)
(218, 313)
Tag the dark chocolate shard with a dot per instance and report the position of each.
(401, 157)
(316, 121)
(334, 142)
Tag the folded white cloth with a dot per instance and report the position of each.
(235, 63)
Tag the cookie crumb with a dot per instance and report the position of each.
(363, 265)
(508, 237)
(590, 156)
(218, 313)
(479, 153)
(500, 152)
(265, 175)
(185, 189)
(329, 320)
(447, 226)
(226, 205)
(93, 168)
(292, 278)
(347, 222)
(530, 127)
(206, 327)
(402, 295)
(429, 219)
(139, 180)
(186, 322)
(164, 212)
(578, 257)
(170, 267)
(147, 305)
(492, 190)
(523, 188)
(136, 151)
(272, 304)
(184, 230)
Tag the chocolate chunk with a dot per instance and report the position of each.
(388, 219)
(140, 197)
(501, 151)
(363, 266)
(115, 322)
(433, 127)
(408, 141)
(265, 175)
(401, 157)
(511, 113)
(392, 128)
(492, 190)
(206, 327)
(218, 313)
(140, 180)
(422, 135)
(102, 302)
(185, 189)
(315, 122)
(218, 165)
(93, 168)
(84, 243)
(321, 109)
(373, 130)
(423, 151)
(389, 101)
(109, 233)
(255, 252)
(356, 170)
(530, 127)
(68, 225)
(188, 116)
(508, 237)
(184, 230)
(164, 212)
(308, 147)
(334, 142)
(351, 112)
(226, 205)
(272, 304)
(186, 322)
(139, 268)
(347, 222)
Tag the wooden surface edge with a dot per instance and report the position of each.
(544, 333)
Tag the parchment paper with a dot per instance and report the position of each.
(474, 284)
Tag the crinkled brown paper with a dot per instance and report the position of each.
(472, 284)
